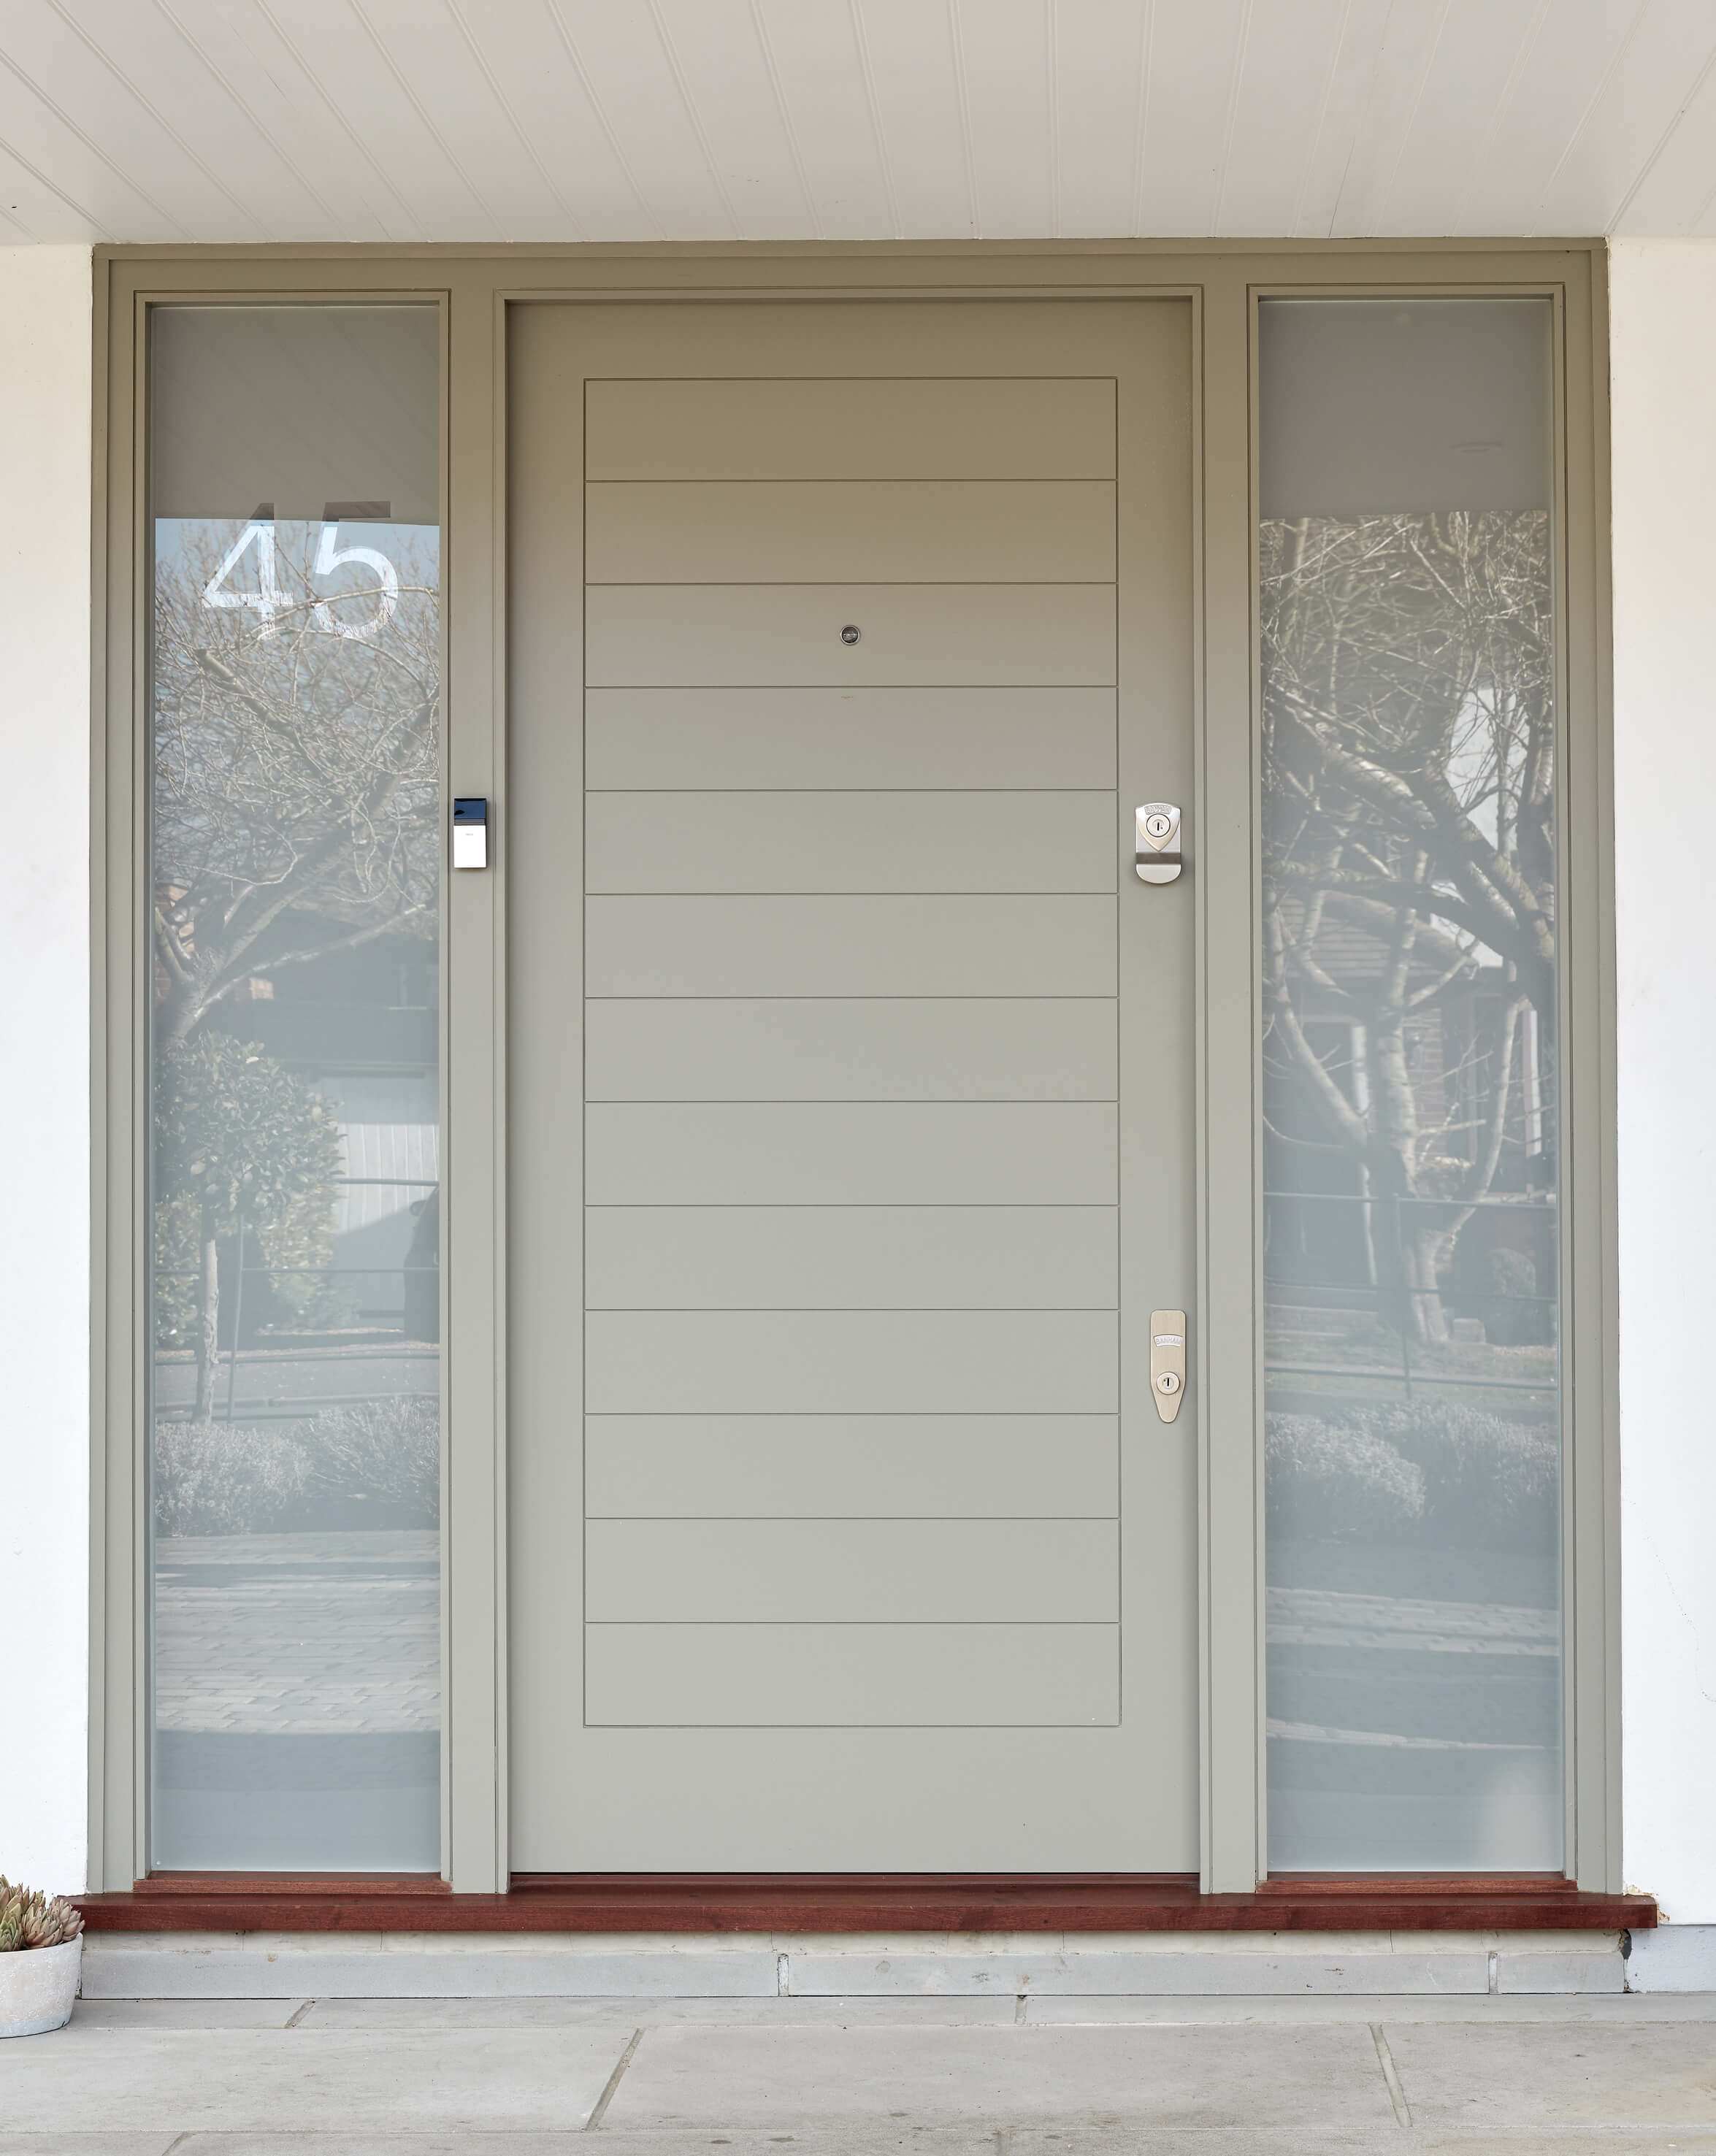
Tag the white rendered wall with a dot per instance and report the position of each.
(44, 1061)
(1663, 390)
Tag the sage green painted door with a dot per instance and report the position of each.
(851, 1081)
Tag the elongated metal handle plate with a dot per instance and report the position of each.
(1167, 1361)
(1157, 824)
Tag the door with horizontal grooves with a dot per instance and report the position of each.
(849, 1087)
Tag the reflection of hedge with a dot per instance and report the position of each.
(1435, 1472)
(235, 1478)
(1327, 1480)
(221, 1478)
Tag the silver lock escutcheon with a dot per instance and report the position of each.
(1157, 825)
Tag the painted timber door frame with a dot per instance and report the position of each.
(475, 292)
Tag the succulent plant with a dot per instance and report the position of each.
(28, 1919)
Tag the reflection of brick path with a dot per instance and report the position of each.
(298, 1635)
(1315, 1617)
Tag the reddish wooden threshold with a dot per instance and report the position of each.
(861, 1902)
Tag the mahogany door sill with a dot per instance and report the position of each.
(861, 1902)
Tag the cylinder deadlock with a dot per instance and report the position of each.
(1157, 824)
(1167, 1361)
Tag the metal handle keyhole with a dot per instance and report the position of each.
(850, 633)
(1157, 823)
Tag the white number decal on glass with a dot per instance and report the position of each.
(328, 558)
(268, 599)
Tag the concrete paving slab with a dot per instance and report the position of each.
(1554, 1971)
(889, 2140)
(1133, 1972)
(296, 1972)
(1300, 2141)
(772, 2078)
(92, 2079)
(965, 2140)
(629, 2014)
(1648, 2073)
(85, 2144)
(1621, 2008)
(191, 2013)
(460, 2143)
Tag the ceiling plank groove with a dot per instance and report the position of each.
(336, 222)
(44, 138)
(147, 73)
(482, 122)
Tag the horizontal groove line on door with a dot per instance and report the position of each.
(602, 687)
(917, 479)
(836, 381)
(963, 792)
(860, 996)
(845, 1309)
(849, 1519)
(829, 584)
(891, 890)
(863, 1623)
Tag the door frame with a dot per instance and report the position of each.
(474, 290)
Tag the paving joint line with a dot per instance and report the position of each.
(613, 2083)
(1386, 2059)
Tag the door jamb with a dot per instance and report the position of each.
(475, 288)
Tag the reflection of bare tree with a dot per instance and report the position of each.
(294, 768)
(1408, 717)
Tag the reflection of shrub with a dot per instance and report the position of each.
(235, 1478)
(1489, 1484)
(1322, 1480)
(221, 1479)
(1452, 1476)
(388, 1451)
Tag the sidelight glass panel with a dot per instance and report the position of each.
(295, 1395)
(1411, 1086)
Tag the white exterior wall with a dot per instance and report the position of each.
(1663, 393)
(1664, 412)
(45, 1064)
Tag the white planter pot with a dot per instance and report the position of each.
(38, 1986)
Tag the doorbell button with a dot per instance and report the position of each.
(471, 832)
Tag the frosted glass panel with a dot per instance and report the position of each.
(295, 697)
(1411, 1087)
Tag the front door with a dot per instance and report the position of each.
(850, 1084)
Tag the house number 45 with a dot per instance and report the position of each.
(268, 599)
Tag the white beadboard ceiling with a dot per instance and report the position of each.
(635, 120)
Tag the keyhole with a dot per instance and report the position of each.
(849, 633)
